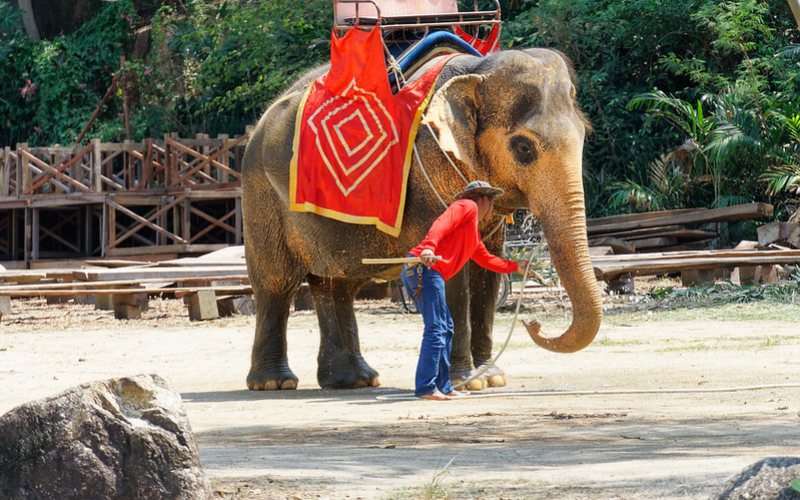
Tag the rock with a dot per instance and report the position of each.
(767, 479)
(118, 438)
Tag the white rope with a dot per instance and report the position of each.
(450, 160)
(425, 173)
(486, 366)
(557, 392)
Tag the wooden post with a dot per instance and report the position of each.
(27, 243)
(104, 230)
(169, 175)
(22, 160)
(97, 167)
(224, 158)
(14, 238)
(129, 305)
(104, 302)
(112, 227)
(238, 220)
(147, 164)
(187, 217)
(243, 305)
(5, 189)
(202, 305)
(35, 233)
(128, 175)
(5, 306)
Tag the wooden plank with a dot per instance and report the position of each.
(162, 249)
(743, 254)
(665, 265)
(227, 290)
(683, 247)
(655, 242)
(163, 273)
(618, 245)
(86, 286)
(734, 213)
(616, 219)
(637, 233)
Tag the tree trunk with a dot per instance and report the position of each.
(28, 19)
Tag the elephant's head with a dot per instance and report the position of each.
(513, 120)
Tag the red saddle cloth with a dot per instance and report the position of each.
(353, 138)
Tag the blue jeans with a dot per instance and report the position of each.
(433, 367)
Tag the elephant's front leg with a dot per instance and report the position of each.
(484, 286)
(269, 367)
(339, 363)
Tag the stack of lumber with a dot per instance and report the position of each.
(124, 285)
(667, 231)
(611, 266)
(779, 234)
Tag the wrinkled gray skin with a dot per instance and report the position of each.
(510, 119)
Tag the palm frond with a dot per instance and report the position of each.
(631, 195)
(728, 140)
(790, 51)
(782, 178)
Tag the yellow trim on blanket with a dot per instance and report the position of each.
(298, 121)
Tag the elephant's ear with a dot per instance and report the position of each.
(453, 112)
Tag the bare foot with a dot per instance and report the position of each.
(435, 396)
(458, 394)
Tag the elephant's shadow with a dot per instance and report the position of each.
(354, 396)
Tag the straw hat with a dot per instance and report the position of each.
(482, 188)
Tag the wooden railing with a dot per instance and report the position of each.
(169, 195)
(166, 164)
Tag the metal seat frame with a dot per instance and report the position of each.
(411, 29)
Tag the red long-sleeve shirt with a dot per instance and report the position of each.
(454, 236)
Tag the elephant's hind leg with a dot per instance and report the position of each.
(339, 363)
(269, 367)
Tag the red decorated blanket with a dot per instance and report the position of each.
(354, 139)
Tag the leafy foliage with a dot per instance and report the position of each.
(694, 102)
(216, 69)
(684, 116)
(51, 87)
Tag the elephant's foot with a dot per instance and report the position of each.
(271, 379)
(493, 377)
(459, 375)
(347, 372)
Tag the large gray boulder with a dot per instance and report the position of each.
(767, 479)
(119, 438)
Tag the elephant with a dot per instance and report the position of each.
(510, 118)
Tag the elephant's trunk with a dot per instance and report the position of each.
(569, 250)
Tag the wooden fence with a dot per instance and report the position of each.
(167, 196)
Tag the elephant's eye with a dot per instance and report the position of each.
(523, 149)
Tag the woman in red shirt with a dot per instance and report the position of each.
(452, 240)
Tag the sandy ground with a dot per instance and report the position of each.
(643, 417)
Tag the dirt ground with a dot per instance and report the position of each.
(663, 404)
